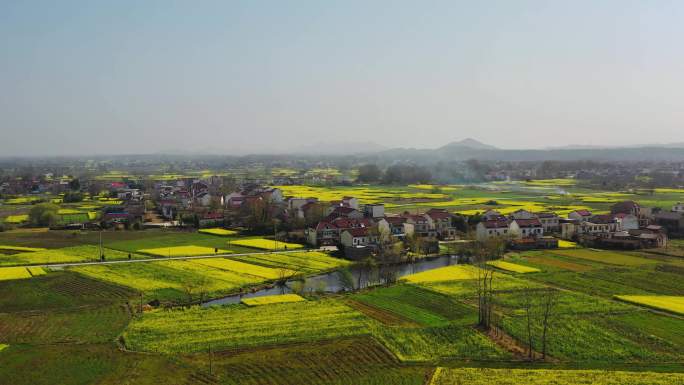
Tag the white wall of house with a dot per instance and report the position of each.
(628, 222)
(375, 211)
(524, 232)
(482, 232)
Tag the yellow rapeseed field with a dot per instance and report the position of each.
(671, 303)
(183, 251)
(563, 244)
(271, 299)
(449, 273)
(7, 273)
(514, 267)
(244, 268)
(36, 271)
(266, 244)
(217, 231)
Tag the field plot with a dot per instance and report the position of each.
(20, 248)
(555, 262)
(566, 303)
(218, 231)
(36, 271)
(61, 307)
(447, 342)
(272, 299)
(65, 255)
(416, 304)
(512, 267)
(449, 273)
(244, 268)
(375, 194)
(9, 273)
(359, 361)
(233, 327)
(171, 280)
(486, 376)
(58, 290)
(165, 240)
(563, 244)
(183, 251)
(674, 304)
(608, 257)
(266, 244)
(607, 282)
(586, 338)
(85, 364)
(501, 282)
(72, 325)
(301, 262)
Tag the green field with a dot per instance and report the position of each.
(302, 262)
(451, 376)
(158, 331)
(177, 280)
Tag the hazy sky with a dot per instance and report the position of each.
(106, 77)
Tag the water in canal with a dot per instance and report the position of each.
(330, 282)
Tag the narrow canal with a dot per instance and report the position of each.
(331, 282)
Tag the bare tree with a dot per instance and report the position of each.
(481, 252)
(528, 307)
(548, 307)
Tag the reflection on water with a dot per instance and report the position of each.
(330, 282)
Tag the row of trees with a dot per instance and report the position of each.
(538, 305)
(395, 174)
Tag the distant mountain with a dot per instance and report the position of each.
(468, 143)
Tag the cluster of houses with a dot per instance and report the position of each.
(360, 229)
(627, 226)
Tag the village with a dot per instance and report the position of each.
(358, 229)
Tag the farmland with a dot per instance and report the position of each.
(512, 267)
(266, 244)
(183, 251)
(178, 280)
(64, 255)
(398, 333)
(272, 299)
(251, 326)
(448, 376)
(218, 231)
(451, 273)
(661, 302)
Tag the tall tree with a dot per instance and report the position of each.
(369, 173)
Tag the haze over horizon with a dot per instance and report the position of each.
(86, 78)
